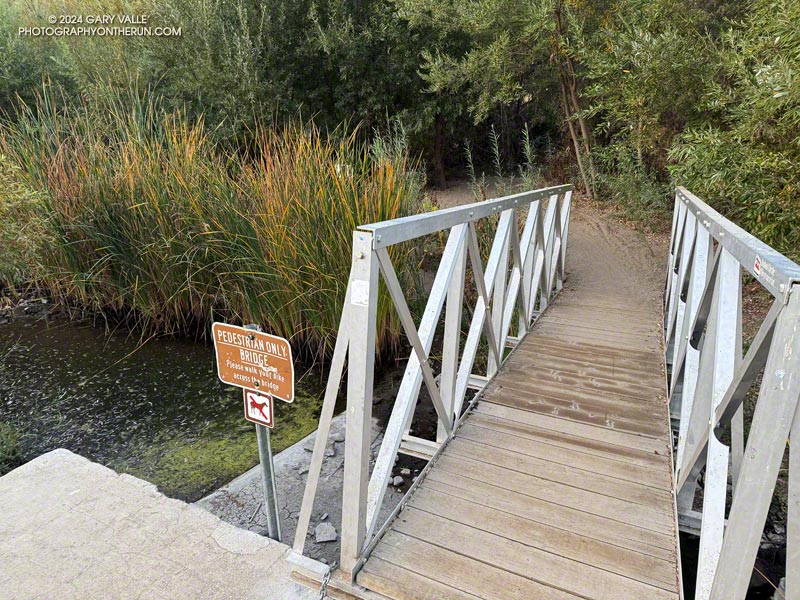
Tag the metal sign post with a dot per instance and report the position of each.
(262, 365)
(267, 467)
(268, 482)
(258, 409)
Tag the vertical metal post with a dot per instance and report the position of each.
(566, 207)
(775, 411)
(452, 339)
(268, 481)
(499, 291)
(268, 475)
(362, 317)
(793, 512)
(682, 403)
(724, 322)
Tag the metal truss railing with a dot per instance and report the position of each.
(523, 271)
(710, 376)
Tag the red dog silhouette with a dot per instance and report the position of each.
(259, 407)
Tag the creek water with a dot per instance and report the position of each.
(155, 410)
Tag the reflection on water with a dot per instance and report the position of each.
(158, 411)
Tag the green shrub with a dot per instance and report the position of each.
(746, 165)
(21, 226)
(754, 185)
(148, 220)
(638, 192)
(10, 447)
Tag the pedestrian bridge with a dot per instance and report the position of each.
(574, 422)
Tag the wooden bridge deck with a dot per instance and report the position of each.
(558, 484)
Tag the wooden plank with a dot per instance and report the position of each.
(587, 356)
(552, 570)
(657, 477)
(564, 312)
(398, 583)
(635, 353)
(616, 559)
(622, 438)
(573, 359)
(567, 380)
(615, 341)
(622, 306)
(582, 392)
(557, 318)
(464, 573)
(605, 413)
(630, 410)
(580, 522)
(573, 476)
(588, 369)
(593, 415)
(628, 325)
(596, 353)
(623, 454)
(637, 339)
(659, 521)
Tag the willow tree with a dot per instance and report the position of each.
(517, 51)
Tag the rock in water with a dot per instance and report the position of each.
(325, 532)
(398, 481)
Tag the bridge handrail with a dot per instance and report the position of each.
(522, 273)
(709, 379)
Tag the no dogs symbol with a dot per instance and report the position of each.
(258, 408)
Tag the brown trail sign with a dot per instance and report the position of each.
(254, 360)
(262, 365)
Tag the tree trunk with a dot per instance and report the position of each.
(575, 141)
(585, 133)
(571, 104)
(639, 151)
(438, 151)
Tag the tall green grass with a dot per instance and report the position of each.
(145, 218)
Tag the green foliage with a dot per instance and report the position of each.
(745, 164)
(505, 59)
(21, 226)
(20, 64)
(148, 219)
(656, 92)
(640, 196)
(10, 447)
(646, 67)
(754, 184)
(646, 76)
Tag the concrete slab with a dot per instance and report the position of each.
(70, 528)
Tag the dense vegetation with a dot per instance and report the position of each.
(156, 178)
(146, 218)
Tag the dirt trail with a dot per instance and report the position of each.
(614, 260)
(602, 252)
